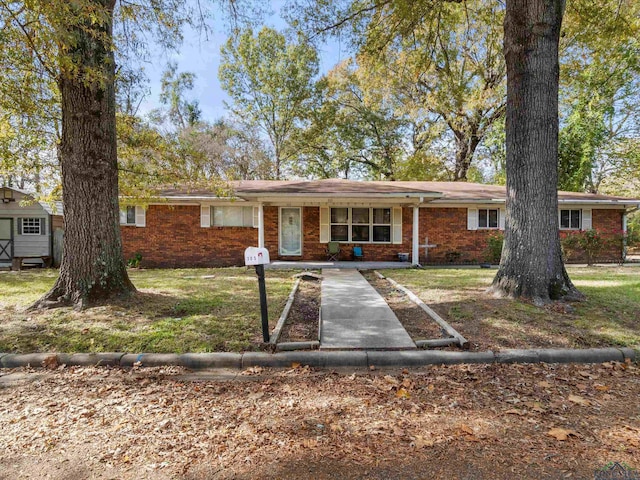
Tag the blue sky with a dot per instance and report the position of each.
(202, 57)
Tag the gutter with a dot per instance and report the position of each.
(343, 195)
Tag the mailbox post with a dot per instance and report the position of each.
(259, 257)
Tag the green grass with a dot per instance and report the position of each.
(180, 311)
(175, 311)
(610, 316)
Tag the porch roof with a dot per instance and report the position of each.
(333, 187)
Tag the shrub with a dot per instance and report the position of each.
(452, 256)
(134, 262)
(591, 243)
(493, 252)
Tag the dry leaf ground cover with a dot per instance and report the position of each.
(418, 324)
(302, 322)
(460, 422)
(190, 310)
(610, 316)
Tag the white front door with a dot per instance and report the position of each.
(290, 231)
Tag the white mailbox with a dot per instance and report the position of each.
(256, 256)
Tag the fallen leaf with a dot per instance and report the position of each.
(579, 400)
(544, 384)
(51, 362)
(514, 411)
(295, 365)
(335, 427)
(389, 379)
(403, 393)
(602, 388)
(421, 442)
(471, 438)
(561, 433)
(466, 429)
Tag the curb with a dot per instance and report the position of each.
(289, 346)
(275, 335)
(321, 359)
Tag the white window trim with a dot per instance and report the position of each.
(252, 217)
(573, 229)
(497, 227)
(40, 222)
(371, 224)
(125, 215)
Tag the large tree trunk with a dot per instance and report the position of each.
(92, 265)
(531, 264)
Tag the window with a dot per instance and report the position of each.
(31, 226)
(128, 216)
(488, 218)
(232, 216)
(361, 225)
(382, 225)
(339, 224)
(570, 219)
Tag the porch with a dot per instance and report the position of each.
(316, 265)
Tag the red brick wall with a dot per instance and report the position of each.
(173, 238)
(447, 228)
(609, 224)
(57, 221)
(312, 249)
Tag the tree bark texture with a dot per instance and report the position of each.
(531, 265)
(92, 265)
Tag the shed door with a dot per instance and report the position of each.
(6, 239)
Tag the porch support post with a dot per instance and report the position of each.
(260, 226)
(624, 236)
(415, 252)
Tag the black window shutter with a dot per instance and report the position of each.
(43, 226)
(19, 226)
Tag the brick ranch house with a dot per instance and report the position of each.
(295, 220)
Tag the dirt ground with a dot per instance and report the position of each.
(302, 321)
(418, 324)
(460, 422)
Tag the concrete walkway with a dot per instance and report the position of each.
(355, 316)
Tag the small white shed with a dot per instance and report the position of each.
(27, 229)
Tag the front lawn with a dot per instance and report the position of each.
(175, 311)
(609, 317)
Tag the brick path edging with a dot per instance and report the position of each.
(322, 359)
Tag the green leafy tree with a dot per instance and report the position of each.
(531, 263)
(600, 94)
(451, 78)
(64, 74)
(353, 131)
(270, 82)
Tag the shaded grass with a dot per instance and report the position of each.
(190, 310)
(609, 317)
